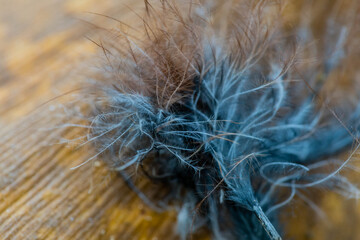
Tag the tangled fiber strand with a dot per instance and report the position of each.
(224, 101)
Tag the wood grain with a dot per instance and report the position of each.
(44, 53)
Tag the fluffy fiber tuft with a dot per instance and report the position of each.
(227, 102)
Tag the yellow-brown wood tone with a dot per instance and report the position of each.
(43, 53)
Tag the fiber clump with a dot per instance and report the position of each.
(227, 104)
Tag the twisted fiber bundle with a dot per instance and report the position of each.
(228, 105)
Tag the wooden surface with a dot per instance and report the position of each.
(44, 53)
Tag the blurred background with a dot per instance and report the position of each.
(44, 51)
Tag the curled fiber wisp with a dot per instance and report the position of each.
(226, 103)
